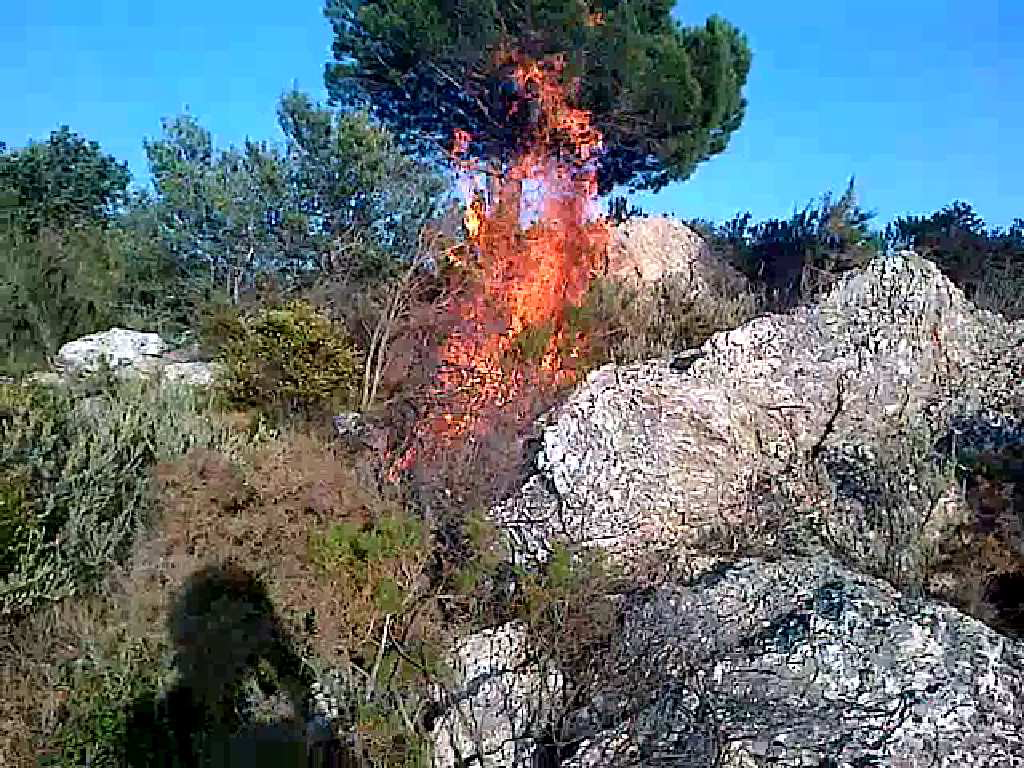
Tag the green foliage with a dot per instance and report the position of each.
(60, 285)
(356, 547)
(220, 212)
(988, 264)
(532, 342)
(340, 198)
(665, 97)
(290, 358)
(569, 612)
(16, 522)
(62, 182)
(356, 203)
(76, 478)
(96, 729)
(798, 257)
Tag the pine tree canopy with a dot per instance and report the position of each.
(665, 97)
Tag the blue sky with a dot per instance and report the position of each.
(922, 100)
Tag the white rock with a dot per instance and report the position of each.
(118, 346)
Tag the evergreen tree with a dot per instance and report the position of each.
(664, 96)
(62, 182)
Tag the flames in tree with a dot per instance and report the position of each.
(534, 241)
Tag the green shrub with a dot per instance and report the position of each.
(798, 258)
(289, 359)
(60, 285)
(76, 476)
(96, 728)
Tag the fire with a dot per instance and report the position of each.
(528, 261)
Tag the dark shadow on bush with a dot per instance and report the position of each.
(226, 632)
(987, 554)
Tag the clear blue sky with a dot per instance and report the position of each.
(923, 100)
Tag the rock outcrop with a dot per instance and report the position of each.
(802, 662)
(657, 455)
(645, 250)
(130, 354)
(794, 662)
(501, 701)
(794, 659)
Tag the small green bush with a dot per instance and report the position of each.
(289, 359)
(356, 547)
(96, 729)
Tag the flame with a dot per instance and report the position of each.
(528, 261)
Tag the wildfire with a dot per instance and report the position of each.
(529, 260)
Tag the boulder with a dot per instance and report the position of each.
(801, 662)
(118, 347)
(646, 250)
(658, 456)
(498, 704)
(196, 373)
(793, 662)
(130, 355)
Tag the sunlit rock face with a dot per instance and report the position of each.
(654, 456)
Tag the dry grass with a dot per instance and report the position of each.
(626, 322)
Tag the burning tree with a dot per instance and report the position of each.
(664, 97)
(531, 249)
(540, 106)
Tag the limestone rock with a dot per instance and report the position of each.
(118, 347)
(792, 662)
(650, 249)
(131, 355)
(801, 662)
(196, 373)
(499, 704)
(657, 456)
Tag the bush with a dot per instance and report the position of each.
(61, 285)
(74, 490)
(96, 728)
(988, 264)
(353, 574)
(289, 359)
(798, 258)
(626, 323)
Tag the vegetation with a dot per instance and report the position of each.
(63, 284)
(796, 259)
(665, 97)
(290, 358)
(75, 481)
(181, 568)
(628, 323)
(987, 263)
(63, 182)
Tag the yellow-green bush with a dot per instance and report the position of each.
(289, 358)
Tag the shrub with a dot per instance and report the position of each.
(96, 728)
(60, 285)
(798, 258)
(76, 477)
(289, 359)
(363, 584)
(625, 323)
(988, 264)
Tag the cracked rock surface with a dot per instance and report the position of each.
(652, 456)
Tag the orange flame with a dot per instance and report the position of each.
(509, 336)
